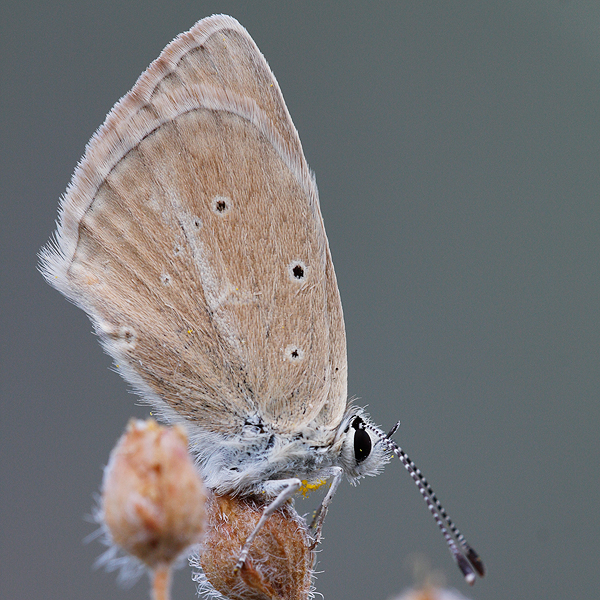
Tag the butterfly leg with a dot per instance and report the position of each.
(316, 524)
(290, 487)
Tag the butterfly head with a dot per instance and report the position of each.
(364, 451)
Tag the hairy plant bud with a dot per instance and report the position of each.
(279, 565)
(153, 500)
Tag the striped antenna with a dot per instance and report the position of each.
(466, 558)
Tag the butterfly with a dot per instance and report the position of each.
(191, 235)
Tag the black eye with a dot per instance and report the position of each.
(362, 440)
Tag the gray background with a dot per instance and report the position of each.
(456, 147)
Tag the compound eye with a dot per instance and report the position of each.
(362, 440)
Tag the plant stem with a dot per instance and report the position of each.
(161, 583)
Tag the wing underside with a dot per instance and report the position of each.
(191, 235)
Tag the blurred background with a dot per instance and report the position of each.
(456, 147)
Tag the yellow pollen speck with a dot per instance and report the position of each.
(307, 488)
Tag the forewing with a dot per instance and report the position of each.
(191, 234)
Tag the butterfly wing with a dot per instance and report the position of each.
(191, 235)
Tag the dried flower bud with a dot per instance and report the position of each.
(430, 584)
(430, 592)
(153, 500)
(280, 561)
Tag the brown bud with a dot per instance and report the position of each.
(430, 592)
(430, 584)
(280, 562)
(153, 500)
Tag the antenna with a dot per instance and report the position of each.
(466, 558)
